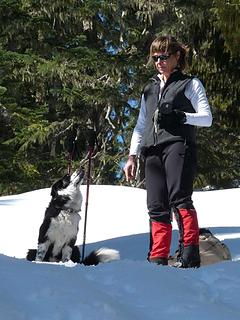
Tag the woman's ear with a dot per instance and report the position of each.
(177, 56)
(178, 53)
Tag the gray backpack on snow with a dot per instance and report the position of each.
(212, 250)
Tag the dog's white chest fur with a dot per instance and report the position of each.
(63, 228)
(75, 202)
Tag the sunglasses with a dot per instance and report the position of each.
(161, 57)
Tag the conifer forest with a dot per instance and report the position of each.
(70, 66)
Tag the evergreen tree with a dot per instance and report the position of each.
(68, 65)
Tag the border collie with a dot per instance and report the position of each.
(59, 229)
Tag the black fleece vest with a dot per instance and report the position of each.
(172, 94)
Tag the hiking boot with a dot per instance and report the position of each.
(190, 258)
(159, 261)
(181, 264)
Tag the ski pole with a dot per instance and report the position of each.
(91, 143)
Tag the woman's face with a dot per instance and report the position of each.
(165, 63)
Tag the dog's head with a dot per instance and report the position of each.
(77, 177)
(68, 183)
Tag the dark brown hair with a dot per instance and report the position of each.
(169, 44)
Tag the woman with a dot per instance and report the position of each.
(172, 104)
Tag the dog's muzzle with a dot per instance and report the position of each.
(78, 175)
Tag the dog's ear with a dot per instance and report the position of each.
(60, 184)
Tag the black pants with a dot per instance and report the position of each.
(170, 170)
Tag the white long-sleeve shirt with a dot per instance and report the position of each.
(195, 92)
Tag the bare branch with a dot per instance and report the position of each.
(107, 117)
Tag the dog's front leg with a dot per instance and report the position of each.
(42, 250)
(66, 253)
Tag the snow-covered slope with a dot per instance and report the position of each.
(128, 289)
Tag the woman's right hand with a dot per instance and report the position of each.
(130, 168)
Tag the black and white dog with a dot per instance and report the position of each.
(58, 232)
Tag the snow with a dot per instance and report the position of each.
(127, 289)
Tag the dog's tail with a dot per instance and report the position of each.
(101, 255)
